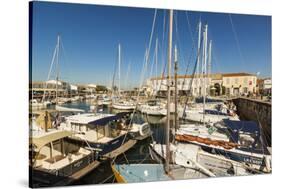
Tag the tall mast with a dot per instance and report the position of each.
(209, 64)
(156, 56)
(167, 168)
(176, 87)
(156, 64)
(198, 57)
(119, 66)
(204, 69)
(57, 68)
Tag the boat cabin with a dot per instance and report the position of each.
(95, 127)
(53, 152)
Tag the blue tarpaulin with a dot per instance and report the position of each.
(215, 112)
(243, 126)
(105, 120)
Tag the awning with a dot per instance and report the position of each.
(215, 112)
(103, 121)
(39, 142)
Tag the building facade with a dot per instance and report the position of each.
(265, 86)
(38, 88)
(239, 83)
(231, 84)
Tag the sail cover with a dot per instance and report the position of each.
(105, 120)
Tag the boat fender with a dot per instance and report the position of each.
(268, 163)
(144, 129)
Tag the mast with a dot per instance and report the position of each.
(198, 57)
(176, 88)
(57, 68)
(209, 65)
(167, 162)
(156, 64)
(119, 66)
(204, 69)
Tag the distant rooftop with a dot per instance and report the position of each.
(215, 76)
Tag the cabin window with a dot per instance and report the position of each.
(100, 132)
(57, 145)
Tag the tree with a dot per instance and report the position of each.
(101, 88)
(223, 90)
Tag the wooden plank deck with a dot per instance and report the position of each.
(126, 146)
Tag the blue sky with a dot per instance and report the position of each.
(90, 36)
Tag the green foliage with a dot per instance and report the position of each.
(101, 88)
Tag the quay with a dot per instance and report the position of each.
(255, 110)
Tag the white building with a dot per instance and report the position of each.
(216, 84)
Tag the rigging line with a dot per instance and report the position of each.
(195, 66)
(193, 46)
(114, 74)
(63, 51)
(187, 67)
(142, 78)
(215, 61)
(236, 39)
(179, 41)
(151, 35)
(152, 64)
(190, 29)
(164, 63)
(50, 70)
(127, 74)
(164, 28)
(191, 81)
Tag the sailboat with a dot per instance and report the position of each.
(236, 140)
(192, 156)
(240, 141)
(206, 112)
(157, 172)
(119, 103)
(154, 106)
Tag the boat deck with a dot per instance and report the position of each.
(79, 174)
(126, 146)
